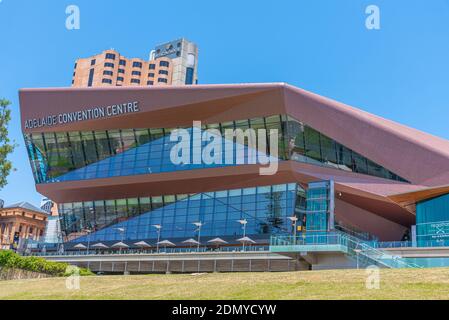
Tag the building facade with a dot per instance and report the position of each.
(21, 221)
(106, 157)
(173, 63)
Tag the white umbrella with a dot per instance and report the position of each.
(191, 242)
(246, 240)
(100, 246)
(120, 245)
(142, 244)
(166, 243)
(80, 246)
(217, 241)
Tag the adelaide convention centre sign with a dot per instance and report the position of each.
(83, 115)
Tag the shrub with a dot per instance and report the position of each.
(11, 260)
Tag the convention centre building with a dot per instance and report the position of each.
(110, 157)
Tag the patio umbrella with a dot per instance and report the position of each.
(166, 243)
(142, 244)
(217, 242)
(120, 245)
(100, 246)
(191, 242)
(80, 246)
(246, 240)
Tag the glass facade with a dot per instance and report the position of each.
(74, 156)
(266, 209)
(155, 157)
(319, 206)
(432, 222)
(141, 151)
(310, 146)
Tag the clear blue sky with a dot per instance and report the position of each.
(400, 72)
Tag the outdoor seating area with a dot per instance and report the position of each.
(243, 244)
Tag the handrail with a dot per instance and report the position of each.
(353, 245)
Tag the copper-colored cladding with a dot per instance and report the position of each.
(420, 158)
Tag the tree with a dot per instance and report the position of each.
(6, 146)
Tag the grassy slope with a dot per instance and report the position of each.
(339, 284)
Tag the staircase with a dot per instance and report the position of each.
(361, 251)
(368, 255)
(52, 231)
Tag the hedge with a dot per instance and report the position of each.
(11, 260)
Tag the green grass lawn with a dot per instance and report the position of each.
(333, 284)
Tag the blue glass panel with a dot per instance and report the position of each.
(152, 157)
(220, 217)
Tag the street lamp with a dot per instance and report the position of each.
(122, 232)
(199, 225)
(243, 222)
(294, 220)
(89, 231)
(357, 251)
(158, 228)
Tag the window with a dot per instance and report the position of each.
(122, 62)
(189, 76)
(150, 83)
(152, 66)
(76, 65)
(137, 64)
(92, 62)
(163, 72)
(161, 80)
(110, 56)
(120, 79)
(109, 81)
(135, 81)
(109, 65)
(151, 75)
(121, 70)
(91, 77)
(164, 64)
(108, 73)
(136, 73)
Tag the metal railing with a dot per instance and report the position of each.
(96, 252)
(363, 251)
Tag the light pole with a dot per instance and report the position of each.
(122, 232)
(89, 231)
(243, 222)
(158, 228)
(199, 225)
(294, 220)
(357, 251)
